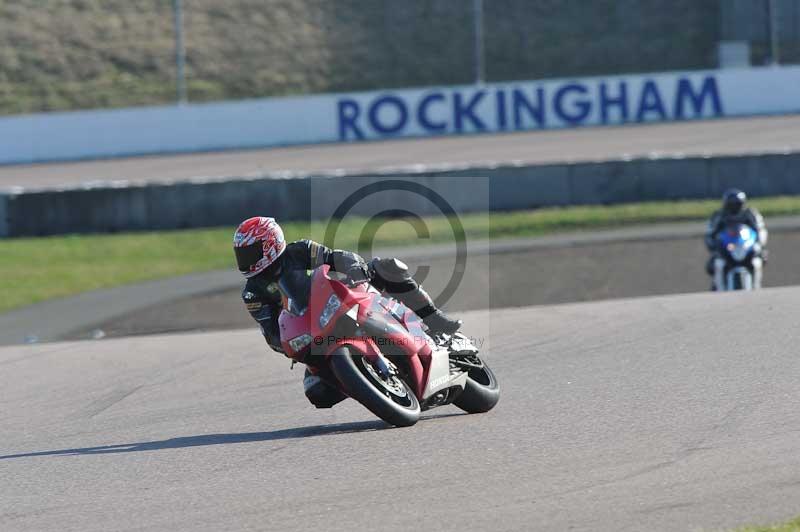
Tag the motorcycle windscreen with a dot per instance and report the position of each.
(295, 286)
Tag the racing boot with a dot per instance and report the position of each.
(319, 392)
(440, 323)
(393, 277)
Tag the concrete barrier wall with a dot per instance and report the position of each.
(422, 112)
(504, 187)
(639, 180)
(3, 215)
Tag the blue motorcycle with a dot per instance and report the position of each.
(741, 253)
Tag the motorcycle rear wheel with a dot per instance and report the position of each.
(391, 399)
(481, 392)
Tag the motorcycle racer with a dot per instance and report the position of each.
(734, 211)
(262, 256)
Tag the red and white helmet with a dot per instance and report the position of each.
(257, 243)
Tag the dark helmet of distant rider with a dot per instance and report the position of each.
(733, 201)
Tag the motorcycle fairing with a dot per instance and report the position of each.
(745, 277)
(376, 317)
(738, 242)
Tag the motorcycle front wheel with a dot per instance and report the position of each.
(389, 398)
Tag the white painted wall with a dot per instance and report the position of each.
(400, 113)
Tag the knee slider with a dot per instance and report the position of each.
(320, 393)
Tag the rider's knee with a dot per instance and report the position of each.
(392, 274)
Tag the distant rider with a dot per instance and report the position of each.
(734, 211)
(263, 255)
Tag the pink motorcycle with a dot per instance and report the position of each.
(377, 350)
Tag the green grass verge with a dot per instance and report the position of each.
(789, 526)
(36, 269)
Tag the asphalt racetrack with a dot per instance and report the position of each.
(665, 413)
(675, 412)
(710, 137)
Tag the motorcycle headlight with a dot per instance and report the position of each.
(330, 309)
(299, 343)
